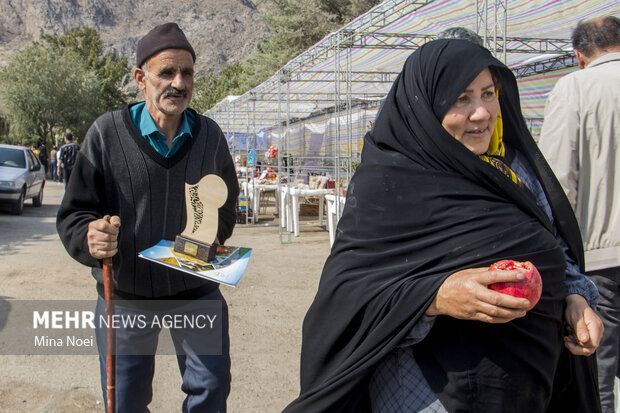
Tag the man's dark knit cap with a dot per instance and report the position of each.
(165, 36)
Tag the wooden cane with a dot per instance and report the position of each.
(108, 288)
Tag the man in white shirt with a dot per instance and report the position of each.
(581, 140)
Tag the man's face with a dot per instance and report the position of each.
(167, 83)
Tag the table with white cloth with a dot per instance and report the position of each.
(289, 205)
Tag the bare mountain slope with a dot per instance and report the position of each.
(221, 31)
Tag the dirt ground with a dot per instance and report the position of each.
(266, 312)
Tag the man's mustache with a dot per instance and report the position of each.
(173, 91)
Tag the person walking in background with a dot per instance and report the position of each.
(68, 155)
(580, 138)
(59, 171)
(53, 164)
(134, 165)
(43, 155)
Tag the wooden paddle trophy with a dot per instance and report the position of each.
(202, 201)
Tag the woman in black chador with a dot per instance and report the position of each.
(450, 182)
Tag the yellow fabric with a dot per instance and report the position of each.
(496, 146)
(497, 150)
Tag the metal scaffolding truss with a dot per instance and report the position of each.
(360, 61)
(386, 40)
(355, 76)
(377, 18)
(412, 41)
(354, 67)
(545, 66)
(492, 25)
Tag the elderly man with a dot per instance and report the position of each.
(134, 165)
(458, 32)
(581, 140)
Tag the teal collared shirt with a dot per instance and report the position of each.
(147, 128)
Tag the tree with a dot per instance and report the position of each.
(112, 71)
(295, 25)
(210, 89)
(64, 81)
(43, 89)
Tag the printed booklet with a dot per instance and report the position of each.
(227, 267)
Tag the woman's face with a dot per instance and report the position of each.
(471, 119)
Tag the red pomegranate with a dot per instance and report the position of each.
(530, 287)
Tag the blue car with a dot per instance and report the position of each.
(22, 177)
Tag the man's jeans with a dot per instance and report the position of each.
(608, 353)
(206, 378)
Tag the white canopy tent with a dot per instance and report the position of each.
(348, 73)
(359, 62)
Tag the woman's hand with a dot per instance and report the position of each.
(587, 327)
(465, 295)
